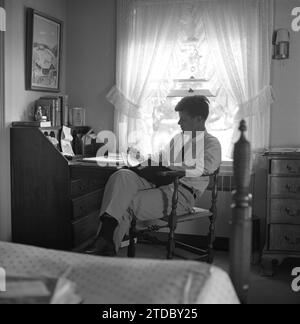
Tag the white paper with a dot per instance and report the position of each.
(114, 159)
(66, 142)
(66, 134)
(106, 160)
(66, 148)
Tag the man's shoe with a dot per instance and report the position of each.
(102, 247)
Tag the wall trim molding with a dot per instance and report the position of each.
(2, 80)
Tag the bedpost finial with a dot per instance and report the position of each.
(243, 126)
(242, 167)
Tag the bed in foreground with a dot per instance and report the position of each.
(102, 280)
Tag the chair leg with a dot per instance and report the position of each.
(171, 244)
(211, 240)
(172, 224)
(132, 234)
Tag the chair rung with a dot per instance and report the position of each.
(191, 248)
(194, 216)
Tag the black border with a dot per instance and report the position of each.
(29, 45)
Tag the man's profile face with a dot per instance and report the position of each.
(188, 123)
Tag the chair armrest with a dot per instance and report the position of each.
(172, 174)
(182, 174)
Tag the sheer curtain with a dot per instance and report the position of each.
(239, 35)
(147, 33)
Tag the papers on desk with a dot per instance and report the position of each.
(113, 160)
(66, 142)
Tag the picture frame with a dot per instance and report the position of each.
(43, 52)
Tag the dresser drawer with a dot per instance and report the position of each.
(86, 228)
(285, 211)
(285, 238)
(286, 186)
(285, 167)
(87, 204)
(84, 186)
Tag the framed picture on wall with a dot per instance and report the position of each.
(43, 47)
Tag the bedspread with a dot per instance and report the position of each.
(103, 280)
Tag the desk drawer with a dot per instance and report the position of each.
(87, 204)
(285, 211)
(287, 186)
(86, 228)
(285, 167)
(285, 238)
(84, 186)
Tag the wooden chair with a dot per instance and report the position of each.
(173, 220)
(241, 224)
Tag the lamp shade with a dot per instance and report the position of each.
(2, 19)
(282, 36)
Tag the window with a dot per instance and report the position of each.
(170, 49)
(195, 76)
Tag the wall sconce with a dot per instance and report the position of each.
(281, 44)
(2, 19)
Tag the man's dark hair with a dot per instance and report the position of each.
(194, 106)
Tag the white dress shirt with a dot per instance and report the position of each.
(202, 156)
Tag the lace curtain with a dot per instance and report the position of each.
(146, 40)
(239, 35)
(235, 37)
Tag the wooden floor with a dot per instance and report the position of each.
(275, 290)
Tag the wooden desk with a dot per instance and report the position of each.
(55, 203)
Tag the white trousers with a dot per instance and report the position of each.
(126, 194)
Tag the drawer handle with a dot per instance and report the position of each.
(292, 189)
(82, 208)
(291, 212)
(291, 242)
(290, 169)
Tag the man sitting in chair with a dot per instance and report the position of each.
(128, 195)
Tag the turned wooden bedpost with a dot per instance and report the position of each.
(241, 225)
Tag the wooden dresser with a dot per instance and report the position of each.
(55, 202)
(283, 219)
